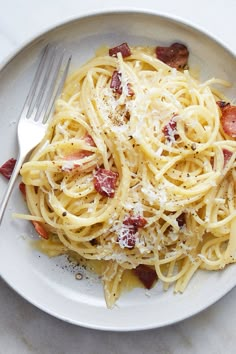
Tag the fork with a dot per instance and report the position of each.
(46, 86)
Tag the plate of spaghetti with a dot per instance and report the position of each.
(124, 217)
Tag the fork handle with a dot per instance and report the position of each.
(11, 183)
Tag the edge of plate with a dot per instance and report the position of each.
(37, 37)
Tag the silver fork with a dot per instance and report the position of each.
(47, 85)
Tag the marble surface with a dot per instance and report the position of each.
(25, 329)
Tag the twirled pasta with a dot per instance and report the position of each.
(162, 136)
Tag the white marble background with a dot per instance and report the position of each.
(23, 328)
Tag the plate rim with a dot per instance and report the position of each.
(96, 12)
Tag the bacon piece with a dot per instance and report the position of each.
(136, 221)
(116, 82)
(228, 118)
(181, 220)
(130, 90)
(78, 155)
(89, 140)
(105, 182)
(116, 85)
(40, 230)
(170, 130)
(175, 55)
(127, 237)
(7, 168)
(22, 189)
(123, 48)
(227, 155)
(146, 275)
(129, 231)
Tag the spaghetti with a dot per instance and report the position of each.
(135, 172)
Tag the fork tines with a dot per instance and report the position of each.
(48, 83)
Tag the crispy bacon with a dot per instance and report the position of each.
(136, 221)
(227, 155)
(127, 236)
(7, 168)
(105, 182)
(146, 275)
(129, 231)
(76, 155)
(22, 189)
(37, 225)
(176, 55)
(170, 130)
(228, 118)
(89, 140)
(116, 85)
(181, 220)
(130, 90)
(79, 154)
(123, 48)
(40, 230)
(116, 82)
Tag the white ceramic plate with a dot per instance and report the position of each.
(50, 283)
